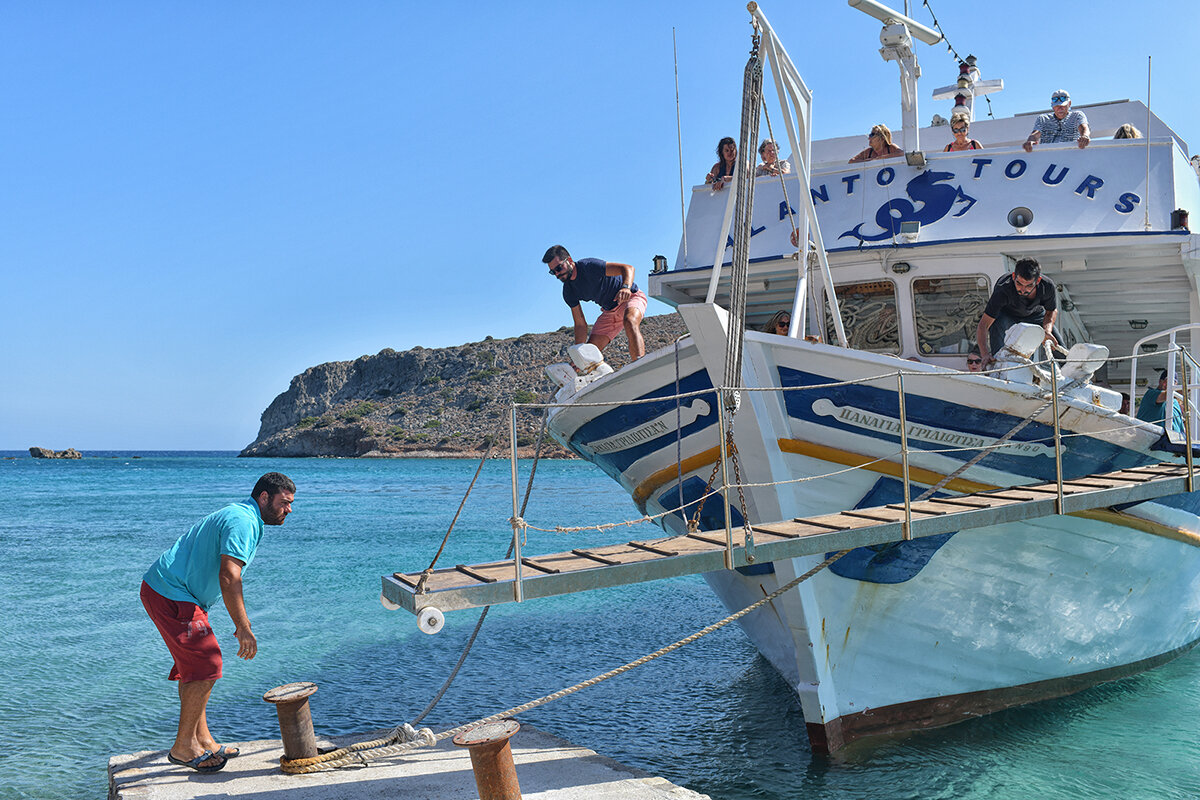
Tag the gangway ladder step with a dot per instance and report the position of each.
(581, 569)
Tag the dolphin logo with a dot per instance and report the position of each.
(935, 198)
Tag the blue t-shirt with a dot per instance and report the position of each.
(189, 571)
(591, 283)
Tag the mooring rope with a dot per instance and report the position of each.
(537, 453)
(357, 754)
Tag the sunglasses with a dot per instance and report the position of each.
(1059, 99)
(873, 133)
(559, 270)
(959, 130)
(974, 360)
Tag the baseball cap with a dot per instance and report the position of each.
(1061, 93)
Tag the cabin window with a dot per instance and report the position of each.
(948, 311)
(869, 314)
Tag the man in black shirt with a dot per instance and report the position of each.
(1024, 296)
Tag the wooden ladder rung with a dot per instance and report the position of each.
(602, 559)
(529, 562)
(470, 573)
(662, 551)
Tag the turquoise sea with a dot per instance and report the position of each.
(83, 672)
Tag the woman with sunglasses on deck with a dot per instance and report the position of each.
(778, 324)
(961, 128)
(880, 141)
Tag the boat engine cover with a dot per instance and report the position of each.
(1083, 359)
(588, 360)
(1024, 340)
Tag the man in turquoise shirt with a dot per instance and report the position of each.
(204, 565)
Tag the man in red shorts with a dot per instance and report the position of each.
(204, 565)
(608, 284)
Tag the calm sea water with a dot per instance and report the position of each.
(82, 670)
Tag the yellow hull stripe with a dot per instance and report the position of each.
(925, 477)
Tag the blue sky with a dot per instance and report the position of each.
(201, 200)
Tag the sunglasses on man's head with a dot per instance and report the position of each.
(1059, 99)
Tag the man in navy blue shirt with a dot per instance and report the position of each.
(608, 284)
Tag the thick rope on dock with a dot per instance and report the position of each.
(392, 745)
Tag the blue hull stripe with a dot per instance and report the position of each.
(626, 418)
(1084, 455)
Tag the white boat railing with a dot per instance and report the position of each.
(1179, 363)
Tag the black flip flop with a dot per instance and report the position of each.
(226, 752)
(197, 761)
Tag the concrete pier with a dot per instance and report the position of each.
(549, 768)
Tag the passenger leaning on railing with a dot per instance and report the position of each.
(722, 171)
(1150, 409)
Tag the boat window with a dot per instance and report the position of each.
(869, 314)
(948, 311)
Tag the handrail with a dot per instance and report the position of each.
(1190, 377)
(726, 447)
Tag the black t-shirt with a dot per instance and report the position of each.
(1005, 300)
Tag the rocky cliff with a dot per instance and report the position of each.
(423, 402)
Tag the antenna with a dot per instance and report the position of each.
(884, 14)
(897, 39)
(1147, 205)
(679, 137)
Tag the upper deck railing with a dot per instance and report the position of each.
(1126, 186)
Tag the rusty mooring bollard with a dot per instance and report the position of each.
(492, 760)
(295, 719)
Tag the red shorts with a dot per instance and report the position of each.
(611, 322)
(189, 637)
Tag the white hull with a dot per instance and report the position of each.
(995, 616)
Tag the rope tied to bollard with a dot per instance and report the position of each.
(356, 754)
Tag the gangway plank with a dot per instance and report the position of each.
(581, 569)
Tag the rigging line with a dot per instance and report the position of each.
(491, 443)
(951, 49)
(679, 138)
(483, 614)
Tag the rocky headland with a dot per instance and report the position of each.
(46, 452)
(444, 402)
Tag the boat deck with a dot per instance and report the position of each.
(577, 570)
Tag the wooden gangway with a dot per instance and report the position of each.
(577, 570)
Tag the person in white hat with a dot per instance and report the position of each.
(1060, 125)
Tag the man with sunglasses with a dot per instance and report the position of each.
(1024, 296)
(1060, 125)
(608, 284)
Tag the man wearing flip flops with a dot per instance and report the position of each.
(204, 565)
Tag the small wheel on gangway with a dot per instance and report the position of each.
(388, 604)
(430, 620)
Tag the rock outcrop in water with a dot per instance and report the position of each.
(46, 452)
(449, 401)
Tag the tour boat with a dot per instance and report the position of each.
(870, 385)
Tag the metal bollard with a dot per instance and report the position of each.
(295, 719)
(492, 760)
